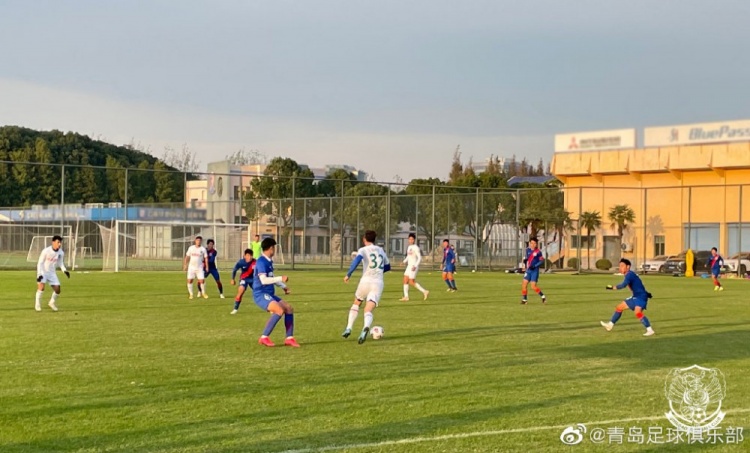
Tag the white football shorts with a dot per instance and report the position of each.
(51, 279)
(369, 291)
(197, 273)
(412, 275)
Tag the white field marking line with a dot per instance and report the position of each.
(416, 440)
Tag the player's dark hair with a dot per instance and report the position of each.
(267, 244)
(199, 237)
(714, 249)
(248, 252)
(625, 261)
(370, 236)
(446, 240)
(56, 238)
(534, 240)
(210, 241)
(257, 236)
(413, 236)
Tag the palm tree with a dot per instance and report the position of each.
(591, 220)
(621, 216)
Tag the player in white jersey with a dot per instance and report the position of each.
(412, 261)
(370, 288)
(196, 263)
(46, 274)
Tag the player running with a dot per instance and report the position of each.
(412, 260)
(213, 268)
(197, 257)
(263, 292)
(532, 262)
(246, 266)
(449, 266)
(637, 302)
(715, 262)
(46, 267)
(370, 289)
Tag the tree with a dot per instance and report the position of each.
(183, 160)
(165, 188)
(590, 220)
(541, 209)
(417, 205)
(367, 208)
(247, 157)
(84, 183)
(143, 182)
(621, 216)
(336, 184)
(47, 177)
(283, 181)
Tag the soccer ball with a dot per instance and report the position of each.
(377, 333)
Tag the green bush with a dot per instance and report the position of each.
(604, 264)
(573, 263)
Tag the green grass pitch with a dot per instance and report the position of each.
(130, 365)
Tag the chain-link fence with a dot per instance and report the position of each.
(318, 223)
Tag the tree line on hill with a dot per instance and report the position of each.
(150, 179)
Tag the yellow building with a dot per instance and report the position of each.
(685, 196)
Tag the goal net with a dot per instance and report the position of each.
(138, 245)
(21, 244)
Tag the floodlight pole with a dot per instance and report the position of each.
(739, 239)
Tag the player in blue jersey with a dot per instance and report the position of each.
(637, 302)
(264, 284)
(449, 266)
(715, 262)
(213, 269)
(245, 266)
(533, 261)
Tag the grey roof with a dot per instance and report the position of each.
(530, 179)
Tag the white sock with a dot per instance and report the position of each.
(419, 287)
(368, 319)
(406, 290)
(54, 297)
(353, 313)
(39, 297)
(190, 288)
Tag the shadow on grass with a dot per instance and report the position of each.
(662, 351)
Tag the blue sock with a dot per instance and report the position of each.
(616, 317)
(289, 323)
(237, 304)
(453, 282)
(448, 282)
(272, 321)
(645, 322)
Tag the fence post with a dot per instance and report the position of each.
(125, 214)
(690, 215)
(432, 239)
(578, 232)
(62, 200)
(518, 228)
(645, 226)
(330, 230)
(476, 232)
(739, 239)
(359, 205)
(388, 221)
(291, 245)
(303, 241)
(341, 225)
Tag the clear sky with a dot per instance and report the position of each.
(389, 86)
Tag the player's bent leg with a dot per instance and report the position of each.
(524, 292)
(276, 313)
(55, 294)
(289, 324)
(38, 299)
(644, 320)
(369, 307)
(238, 300)
(353, 313)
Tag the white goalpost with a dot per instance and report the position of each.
(139, 245)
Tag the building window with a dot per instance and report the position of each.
(237, 194)
(575, 240)
(659, 246)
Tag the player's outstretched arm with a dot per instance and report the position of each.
(353, 267)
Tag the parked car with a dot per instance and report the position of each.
(676, 265)
(741, 259)
(655, 264)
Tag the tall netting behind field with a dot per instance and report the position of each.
(21, 244)
(133, 245)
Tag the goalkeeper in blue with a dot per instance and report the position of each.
(637, 302)
(374, 263)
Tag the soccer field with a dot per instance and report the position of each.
(129, 364)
